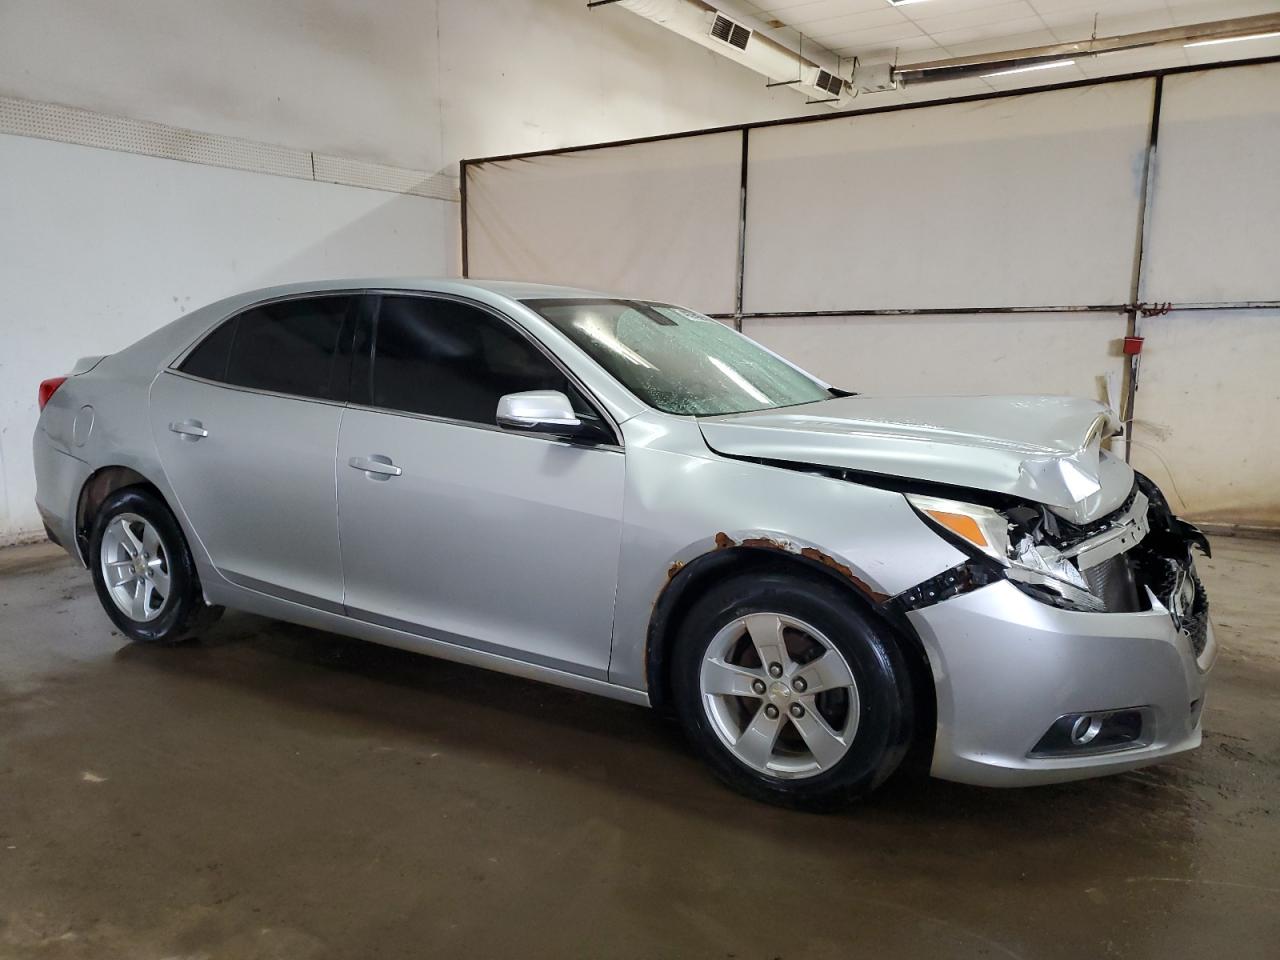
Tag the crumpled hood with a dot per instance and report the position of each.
(1044, 449)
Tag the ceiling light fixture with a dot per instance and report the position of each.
(1034, 66)
(1252, 36)
(903, 3)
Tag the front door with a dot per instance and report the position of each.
(246, 428)
(457, 530)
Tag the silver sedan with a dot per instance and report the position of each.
(628, 498)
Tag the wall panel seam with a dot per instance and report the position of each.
(64, 124)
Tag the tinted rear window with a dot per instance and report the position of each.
(293, 347)
(209, 359)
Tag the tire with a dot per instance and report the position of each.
(870, 720)
(162, 603)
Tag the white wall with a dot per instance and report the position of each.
(522, 75)
(339, 76)
(417, 83)
(99, 248)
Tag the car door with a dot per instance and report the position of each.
(455, 529)
(246, 426)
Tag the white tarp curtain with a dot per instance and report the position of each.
(1068, 353)
(1026, 201)
(1207, 410)
(1021, 201)
(656, 219)
(1216, 197)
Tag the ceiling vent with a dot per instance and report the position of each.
(740, 38)
(830, 83)
(726, 31)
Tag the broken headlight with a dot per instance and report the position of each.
(1016, 547)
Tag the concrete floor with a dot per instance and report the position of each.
(278, 792)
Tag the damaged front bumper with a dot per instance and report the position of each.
(1037, 685)
(1007, 667)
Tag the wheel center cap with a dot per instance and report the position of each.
(779, 691)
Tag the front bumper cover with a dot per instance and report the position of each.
(1006, 666)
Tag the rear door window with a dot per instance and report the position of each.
(209, 358)
(299, 347)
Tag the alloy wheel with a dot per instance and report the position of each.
(779, 695)
(135, 567)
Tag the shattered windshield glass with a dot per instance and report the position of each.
(679, 361)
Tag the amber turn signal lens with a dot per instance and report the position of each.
(965, 527)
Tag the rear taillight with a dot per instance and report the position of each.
(48, 388)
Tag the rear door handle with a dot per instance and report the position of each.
(192, 430)
(376, 467)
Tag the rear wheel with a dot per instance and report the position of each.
(143, 571)
(791, 692)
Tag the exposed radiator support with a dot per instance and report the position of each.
(741, 40)
(987, 63)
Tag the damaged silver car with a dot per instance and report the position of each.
(631, 499)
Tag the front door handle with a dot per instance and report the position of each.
(192, 430)
(376, 467)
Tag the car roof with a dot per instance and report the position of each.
(509, 289)
(524, 290)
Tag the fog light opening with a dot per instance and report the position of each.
(1103, 731)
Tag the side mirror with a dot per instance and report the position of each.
(539, 411)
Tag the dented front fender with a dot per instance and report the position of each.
(683, 502)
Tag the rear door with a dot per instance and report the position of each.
(457, 530)
(246, 427)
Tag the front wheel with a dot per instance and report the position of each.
(791, 692)
(143, 571)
